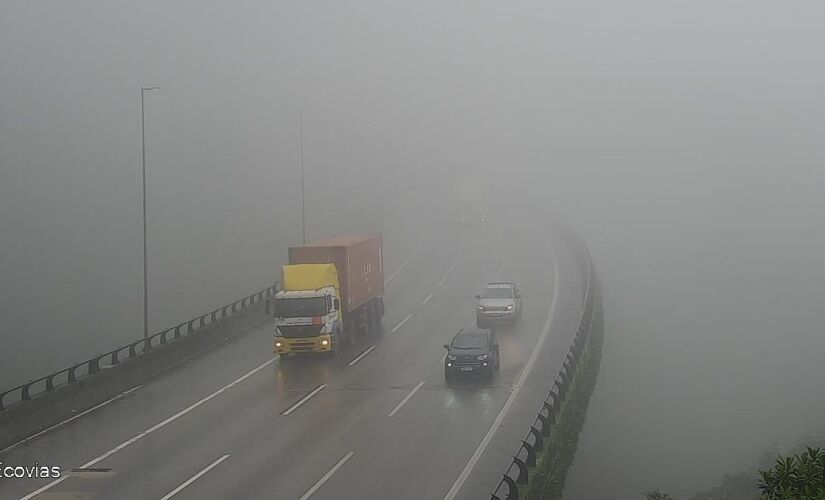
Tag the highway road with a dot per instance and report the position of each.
(375, 422)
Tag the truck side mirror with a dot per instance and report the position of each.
(447, 346)
(337, 304)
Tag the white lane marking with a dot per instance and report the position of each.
(195, 477)
(524, 372)
(449, 269)
(443, 280)
(407, 398)
(369, 350)
(402, 266)
(427, 299)
(328, 475)
(304, 399)
(154, 427)
(399, 325)
(60, 424)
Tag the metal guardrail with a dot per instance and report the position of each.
(518, 472)
(129, 351)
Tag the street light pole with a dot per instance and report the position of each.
(143, 91)
(303, 204)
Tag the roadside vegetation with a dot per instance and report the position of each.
(552, 466)
(795, 475)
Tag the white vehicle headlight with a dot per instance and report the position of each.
(482, 357)
(278, 344)
(510, 307)
(325, 342)
(480, 308)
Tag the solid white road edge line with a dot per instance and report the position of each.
(328, 475)
(407, 398)
(427, 299)
(526, 371)
(154, 427)
(195, 477)
(304, 399)
(44, 431)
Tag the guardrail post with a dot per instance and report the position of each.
(70, 376)
(115, 357)
(539, 442)
(24, 393)
(94, 365)
(147, 344)
(2, 395)
(551, 407)
(50, 382)
(214, 316)
(512, 494)
(545, 425)
(523, 475)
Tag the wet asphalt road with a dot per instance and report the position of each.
(238, 422)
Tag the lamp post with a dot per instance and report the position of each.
(143, 91)
(303, 205)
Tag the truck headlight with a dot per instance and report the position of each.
(278, 344)
(451, 357)
(482, 357)
(480, 308)
(510, 307)
(325, 342)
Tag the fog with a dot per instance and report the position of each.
(682, 140)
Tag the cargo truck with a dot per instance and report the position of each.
(333, 292)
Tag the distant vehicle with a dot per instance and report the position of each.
(499, 303)
(472, 351)
(333, 291)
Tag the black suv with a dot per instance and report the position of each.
(473, 350)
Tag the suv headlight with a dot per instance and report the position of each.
(480, 308)
(481, 357)
(510, 307)
(451, 357)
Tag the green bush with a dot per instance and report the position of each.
(795, 477)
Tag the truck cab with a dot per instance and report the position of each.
(305, 320)
(333, 292)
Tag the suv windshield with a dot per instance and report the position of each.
(293, 308)
(470, 342)
(497, 293)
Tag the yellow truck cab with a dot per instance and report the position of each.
(307, 310)
(333, 290)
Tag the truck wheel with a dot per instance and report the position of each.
(376, 318)
(337, 335)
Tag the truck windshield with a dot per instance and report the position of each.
(294, 308)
